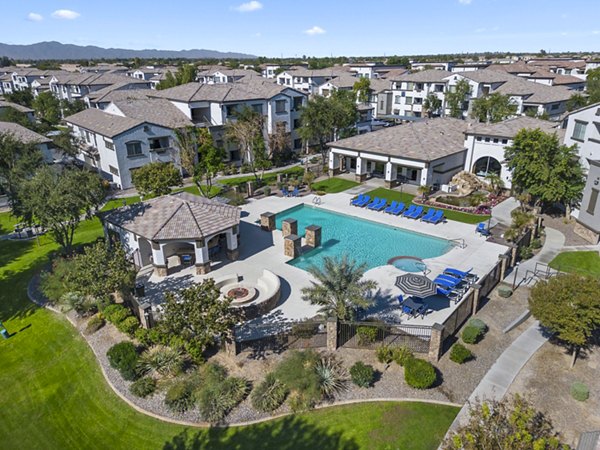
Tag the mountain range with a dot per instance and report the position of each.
(58, 51)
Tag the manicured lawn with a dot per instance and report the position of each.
(55, 397)
(268, 177)
(7, 222)
(586, 263)
(408, 198)
(118, 202)
(334, 185)
(214, 190)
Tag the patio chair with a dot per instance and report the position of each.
(482, 230)
(429, 214)
(392, 207)
(437, 217)
(416, 213)
(398, 210)
(451, 295)
(375, 201)
(382, 204)
(295, 192)
(400, 299)
(375, 205)
(423, 310)
(463, 274)
(358, 199)
(449, 284)
(408, 311)
(285, 192)
(366, 199)
(410, 210)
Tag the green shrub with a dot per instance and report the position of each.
(460, 354)
(402, 355)
(124, 357)
(83, 305)
(385, 354)
(165, 361)
(297, 372)
(179, 397)
(215, 400)
(195, 351)
(526, 252)
(504, 291)
(479, 324)
(269, 394)
(94, 324)
(366, 334)
(267, 191)
(143, 387)
(362, 374)
(419, 373)
(332, 376)
(580, 391)
(129, 325)
(116, 313)
(536, 243)
(471, 335)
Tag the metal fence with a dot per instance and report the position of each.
(309, 334)
(370, 335)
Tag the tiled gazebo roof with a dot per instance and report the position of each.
(175, 217)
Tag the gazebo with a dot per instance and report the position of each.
(181, 227)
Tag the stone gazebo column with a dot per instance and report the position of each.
(158, 260)
(233, 252)
(391, 174)
(202, 259)
(334, 163)
(361, 172)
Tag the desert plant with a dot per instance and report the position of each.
(362, 374)
(526, 252)
(504, 291)
(366, 334)
(94, 324)
(471, 335)
(116, 313)
(419, 373)
(269, 394)
(580, 391)
(129, 325)
(460, 354)
(215, 400)
(402, 355)
(297, 372)
(179, 397)
(124, 357)
(165, 361)
(479, 324)
(385, 354)
(83, 305)
(143, 387)
(267, 191)
(332, 376)
(536, 244)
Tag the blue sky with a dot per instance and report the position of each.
(309, 27)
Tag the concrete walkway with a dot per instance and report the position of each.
(553, 245)
(501, 212)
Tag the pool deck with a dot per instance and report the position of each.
(263, 250)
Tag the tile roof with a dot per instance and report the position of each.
(153, 110)
(485, 76)
(534, 92)
(23, 134)
(425, 140)
(424, 76)
(103, 123)
(20, 108)
(124, 85)
(175, 217)
(509, 128)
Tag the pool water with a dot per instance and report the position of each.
(408, 264)
(362, 240)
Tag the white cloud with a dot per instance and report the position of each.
(258, 34)
(564, 33)
(248, 7)
(65, 14)
(465, 2)
(480, 30)
(35, 17)
(596, 32)
(314, 31)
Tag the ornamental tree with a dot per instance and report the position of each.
(362, 89)
(510, 424)
(456, 98)
(198, 314)
(47, 108)
(493, 108)
(569, 306)
(156, 178)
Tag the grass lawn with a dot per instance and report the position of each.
(267, 179)
(408, 198)
(334, 185)
(55, 397)
(7, 222)
(214, 190)
(118, 202)
(586, 263)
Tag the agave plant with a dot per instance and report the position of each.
(333, 377)
(165, 361)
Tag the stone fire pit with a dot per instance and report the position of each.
(240, 293)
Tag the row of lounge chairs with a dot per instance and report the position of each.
(453, 283)
(396, 208)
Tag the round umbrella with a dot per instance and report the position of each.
(416, 285)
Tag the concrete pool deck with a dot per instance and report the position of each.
(264, 250)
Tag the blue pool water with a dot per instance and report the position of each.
(409, 264)
(362, 240)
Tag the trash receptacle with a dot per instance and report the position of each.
(140, 290)
(4, 333)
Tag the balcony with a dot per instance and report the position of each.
(160, 149)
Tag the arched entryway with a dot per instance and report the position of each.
(487, 165)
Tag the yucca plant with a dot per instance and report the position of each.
(332, 375)
(216, 400)
(165, 361)
(269, 394)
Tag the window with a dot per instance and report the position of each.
(408, 101)
(579, 130)
(297, 124)
(591, 208)
(478, 138)
(555, 106)
(381, 104)
(297, 144)
(496, 140)
(134, 149)
(505, 141)
(88, 136)
(280, 107)
(113, 170)
(396, 100)
(419, 86)
(410, 86)
(439, 88)
(486, 165)
(258, 108)
(298, 102)
(109, 145)
(487, 139)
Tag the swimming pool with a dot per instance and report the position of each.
(362, 240)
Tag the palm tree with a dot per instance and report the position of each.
(431, 105)
(495, 181)
(339, 288)
(424, 190)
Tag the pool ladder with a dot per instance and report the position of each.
(460, 242)
(316, 200)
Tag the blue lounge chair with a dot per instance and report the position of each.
(461, 273)
(392, 207)
(452, 285)
(377, 204)
(381, 205)
(399, 208)
(429, 214)
(448, 293)
(366, 199)
(481, 229)
(418, 211)
(437, 217)
(410, 210)
(285, 192)
(358, 199)
(295, 192)
(375, 201)
(450, 276)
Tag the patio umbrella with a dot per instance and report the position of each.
(417, 285)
